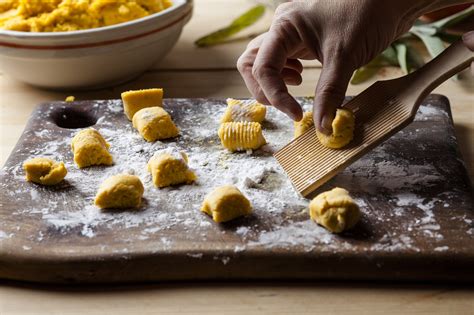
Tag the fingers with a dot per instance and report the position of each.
(268, 71)
(291, 77)
(330, 92)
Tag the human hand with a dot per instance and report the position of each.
(342, 35)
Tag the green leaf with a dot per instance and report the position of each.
(402, 56)
(366, 72)
(433, 43)
(453, 19)
(390, 56)
(413, 58)
(245, 20)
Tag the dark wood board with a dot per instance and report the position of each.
(413, 190)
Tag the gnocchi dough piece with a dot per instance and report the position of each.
(241, 136)
(44, 171)
(335, 210)
(133, 101)
(342, 130)
(120, 191)
(90, 148)
(244, 110)
(226, 203)
(304, 124)
(70, 98)
(170, 167)
(154, 123)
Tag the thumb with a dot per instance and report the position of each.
(330, 93)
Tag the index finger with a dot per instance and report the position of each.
(269, 63)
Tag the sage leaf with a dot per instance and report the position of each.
(402, 56)
(453, 19)
(414, 59)
(433, 44)
(245, 20)
(366, 72)
(390, 56)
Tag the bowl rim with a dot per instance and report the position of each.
(177, 5)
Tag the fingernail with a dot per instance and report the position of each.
(326, 124)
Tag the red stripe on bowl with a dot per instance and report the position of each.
(104, 43)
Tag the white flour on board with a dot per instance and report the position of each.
(280, 218)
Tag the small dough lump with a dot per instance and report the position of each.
(90, 148)
(244, 110)
(44, 171)
(241, 136)
(335, 210)
(120, 191)
(342, 130)
(133, 101)
(304, 124)
(226, 203)
(154, 123)
(170, 167)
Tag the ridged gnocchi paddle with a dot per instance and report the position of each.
(382, 110)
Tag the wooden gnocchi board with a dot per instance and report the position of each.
(413, 190)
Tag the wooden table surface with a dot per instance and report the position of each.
(192, 72)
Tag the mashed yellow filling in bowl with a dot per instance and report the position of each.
(73, 15)
(77, 44)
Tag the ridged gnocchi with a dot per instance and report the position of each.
(304, 124)
(90, 148)
(342, 130)
(226, 203)
(170, 167)
(154, 123)
(241, 136)
(244, 110)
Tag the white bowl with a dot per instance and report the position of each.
(96, 57)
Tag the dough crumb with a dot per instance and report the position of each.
(120, 191)
(335, 210)
(90, 148)
(226, 203)
(133, 101)
(170, 167)
(154, 123)
(44, 171)
(342, 130)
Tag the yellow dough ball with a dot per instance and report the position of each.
(44, 171)
(90, 148)
(226, 203)
(241, 136)
(304, 124)
(335, 210)
(342, 130)
(154, 123)
(120, 191)
(133, 101)
(170, 167)
(244, 110)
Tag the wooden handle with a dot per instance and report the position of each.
(451, 61)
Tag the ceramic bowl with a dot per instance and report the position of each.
(92, 58)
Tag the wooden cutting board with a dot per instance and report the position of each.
(414, 192)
